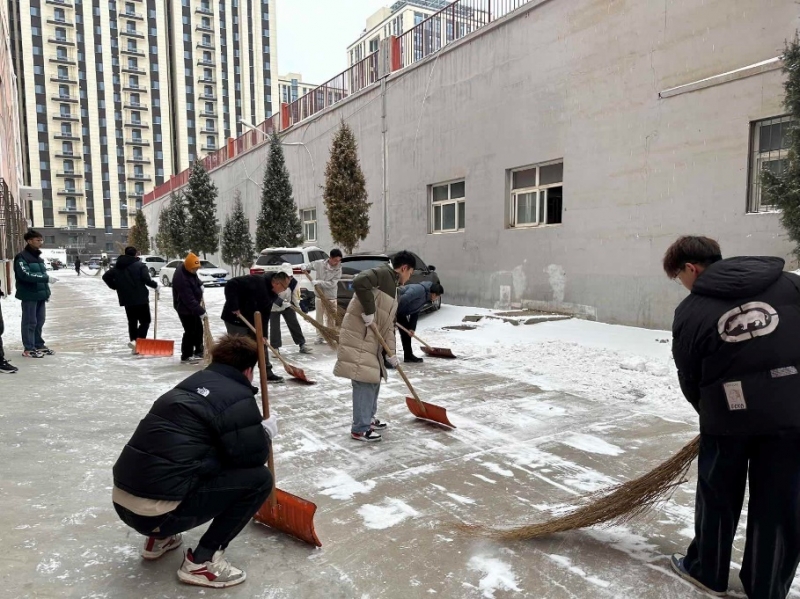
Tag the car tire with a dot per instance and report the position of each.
(152, 271)
(165, 281)
(437, 305)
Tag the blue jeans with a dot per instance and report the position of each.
(365, 405)
(33, 315)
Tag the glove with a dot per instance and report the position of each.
(52, 280)
(271, 426)
(393, 360)
(368, 318)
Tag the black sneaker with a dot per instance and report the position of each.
(32, 354)
(6, 368)
(377, 425)
(676, 561)
(274, 378)
(412, 359)
(191, 360)
(369, 437)
(45, 351)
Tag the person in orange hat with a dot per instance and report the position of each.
(187, 297)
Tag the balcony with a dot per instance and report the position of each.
(204, 28)
(63, 60)
(213, 131)
(61, 116)
(210, 97)
(206, 63)
(137, 124)
(61, 23)
(139, 160)
(134, 88)
(132, 33)
(72, 174)
(204, 11)
(67, 136)
(206, 80)
(70, 154)
(71, 210)
(61, 40)
(132, 51)
(209, 148)
(135, 194)
(205, 46)
(209, 115)
(134, 70)
(132, 15)
(63, 98)
(136, 106)
(66, 3)
(67, 79)
(139, 177)
(73, 228)
(137, 141)
(72, 191)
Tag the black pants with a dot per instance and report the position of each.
(230, 500)
(409, 322)
(138, 321)
(192, 342)
(290, 317)
(2, 330)
(772, 545)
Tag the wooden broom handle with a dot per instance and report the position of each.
(262, 373)
(402, 328)
(265, 342)
(374, 328)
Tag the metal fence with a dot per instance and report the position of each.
(12, 224)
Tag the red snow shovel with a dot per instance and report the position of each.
(433, 352)
(420, 409)
(282, 511)
(293, 371)
(155, 346)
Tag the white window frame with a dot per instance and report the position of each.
(756, 164)
(540, 219)
(309, 223)
(440, 205)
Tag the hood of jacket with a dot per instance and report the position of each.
(740, 277)
(125, 261)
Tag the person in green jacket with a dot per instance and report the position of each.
(33, 290)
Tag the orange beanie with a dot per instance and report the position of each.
(192, 262)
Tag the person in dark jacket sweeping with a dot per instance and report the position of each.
(33, 290)
(199, 455)
(411, 299)
(187, 298)
(735, 344)
(130, 279)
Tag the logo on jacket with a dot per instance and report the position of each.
(203, 391)
(754, 319)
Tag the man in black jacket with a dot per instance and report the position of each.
(187, 299)
(199, 455)
(130, 279)
(735, 344)
(246, 295)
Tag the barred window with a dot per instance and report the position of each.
(769, 151)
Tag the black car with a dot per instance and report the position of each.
(355, 263)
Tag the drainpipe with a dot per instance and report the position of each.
(384, 166)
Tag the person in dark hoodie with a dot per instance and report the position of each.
(735, 344)
(411, 299)
(199, 455)
(246, 295)
(130, 279)
(187, 299)
(33, 290)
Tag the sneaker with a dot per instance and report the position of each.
(155, 548)
(199, 357)
(45, 351)
(369, 437)
(32, 354)
(274, 378)
(676, 561)
(304, 349)
(191, 360)
(320, 341)
(6, 368)
(218, 573)
(378, 425)
(412, 359)
(132, 345)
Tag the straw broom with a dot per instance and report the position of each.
(208, 339)
(330, 335)
(618, 505)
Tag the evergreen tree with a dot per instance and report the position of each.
(171, 238)
(782, 189)
(202, 234)
(345, 192)
(237, 243)
(139, 236)
(278, 222)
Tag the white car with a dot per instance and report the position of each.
(210, 275)
(48, 265)
(154, 264)
(281, 259)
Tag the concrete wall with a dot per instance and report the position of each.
(571, 79)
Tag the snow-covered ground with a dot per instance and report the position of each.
(545, 413)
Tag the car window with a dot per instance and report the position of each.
(174, 264)
(353, 267)
(156, 259)
(317, 255)
(207, 264)
(278, 258)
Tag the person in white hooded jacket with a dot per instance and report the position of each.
(326, 280)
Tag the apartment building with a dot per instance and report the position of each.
(291, 86)
(116, 96)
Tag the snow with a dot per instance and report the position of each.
(391, 513)
(497, 575)
(592, 444)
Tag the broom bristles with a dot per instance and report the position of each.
(330, 335)
(617, 505)
(328, 309)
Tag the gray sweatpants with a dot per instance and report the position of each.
(365, 405)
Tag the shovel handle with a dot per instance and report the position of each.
(155, 318)
(380, 338)
(265, 342)
(407, 332)
(262, 372)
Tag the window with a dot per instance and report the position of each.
(536, 195)
(209, 125)
(309, 218)
(448, 211)
(769, 151)
(61, 34)
(133, 63)
(211, 142)
(63, 73)
(373, 44)
(133, 81)
(66, 129)
(206, 40)
(58, 15)
(61, 53)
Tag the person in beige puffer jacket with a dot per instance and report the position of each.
(360, 355)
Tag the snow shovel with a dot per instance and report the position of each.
(282, 511)
(420, 409)
(433, 352)
(293, 371)
(155, 346)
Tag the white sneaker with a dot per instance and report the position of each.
(132, 345)
(320, 341)
(218, 573)
(304, 349)
(155, 548)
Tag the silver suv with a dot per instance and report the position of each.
(154, 264)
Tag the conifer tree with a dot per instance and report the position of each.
(278, 222)
(139, 236)
(202, 234)
(345, 192)
(781, 186)
(237, 243)
(171, 238)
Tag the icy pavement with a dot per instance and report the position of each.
(544, 413)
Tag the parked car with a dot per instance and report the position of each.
(154, 264)
(48, 264)
(355, 263)
(210, 274)
(94, 263)
(57, 264)
(275, 259)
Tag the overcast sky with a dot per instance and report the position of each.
(313, 35)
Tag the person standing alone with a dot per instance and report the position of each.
(187, 298)
(327, 274)
(78, 265)
(33, 290)
(5, 366)
(130, 279)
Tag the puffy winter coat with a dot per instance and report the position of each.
(412, 298)
(209, 423)
(31, 275)
(326, 276)
(130, 279)
(187, 292)
(360, 356)
(249, 294)
(735, 343)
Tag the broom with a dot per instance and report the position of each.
(330, 335)
(618, 505)
(208, 338)
(336, 316)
